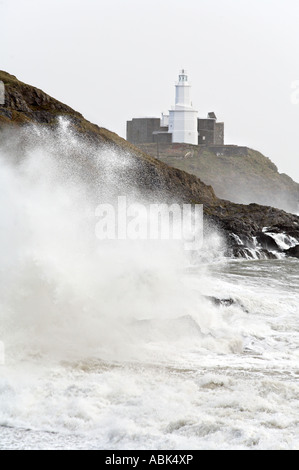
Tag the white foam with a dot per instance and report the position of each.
(283, 240)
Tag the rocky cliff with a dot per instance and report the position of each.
(243, 226)
(240, 174)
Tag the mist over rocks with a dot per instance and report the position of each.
(242, 226)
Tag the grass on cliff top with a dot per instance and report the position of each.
(7, 78)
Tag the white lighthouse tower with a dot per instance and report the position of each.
(182, 117)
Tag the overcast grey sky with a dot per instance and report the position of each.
(117, 59)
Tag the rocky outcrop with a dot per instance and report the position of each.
(293, 252)
(246, 228)
(250, 230)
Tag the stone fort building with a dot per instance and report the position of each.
(181, 125)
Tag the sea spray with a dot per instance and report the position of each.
(64, 293)
(119, 344)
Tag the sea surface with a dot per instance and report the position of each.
(220, 375)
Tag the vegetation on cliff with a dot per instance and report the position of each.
(240, 174)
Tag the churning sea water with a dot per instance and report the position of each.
(120, 345)
(218, 377)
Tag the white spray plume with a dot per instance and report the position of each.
(64, 293)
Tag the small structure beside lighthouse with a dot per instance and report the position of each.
(181, 125)
(183, 118)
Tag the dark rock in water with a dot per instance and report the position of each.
(216, 301)
(267, 242)
(291, 230)
(269, 254)
(243, 251)
(225, 302)
(293, 252)
(247, 223)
